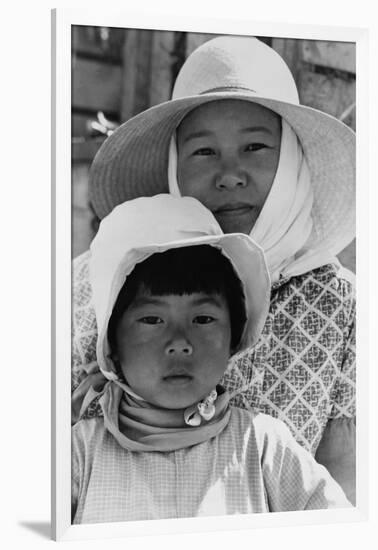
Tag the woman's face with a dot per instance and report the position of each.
(228, 153)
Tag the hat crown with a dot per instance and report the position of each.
(236, 63)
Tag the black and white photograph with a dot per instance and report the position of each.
(212, 371)
(195, 394)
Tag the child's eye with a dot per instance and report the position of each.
(150, 320)
(203, 151)
(203, 319)
(255, 146)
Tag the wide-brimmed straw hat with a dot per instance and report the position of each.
(132, 162)
(136, 229)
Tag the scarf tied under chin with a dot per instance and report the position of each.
(140, 426)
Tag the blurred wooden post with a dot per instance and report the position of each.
(327, 79)
(136, 74)
(147, 63)
(129, 56)
(161, 66)
(337, 55)
(288, 49)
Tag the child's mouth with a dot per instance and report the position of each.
(178, 379)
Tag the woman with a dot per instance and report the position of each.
(235, 137)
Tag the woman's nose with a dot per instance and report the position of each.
(230, 177)
(179, 345)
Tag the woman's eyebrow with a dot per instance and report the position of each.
(256, 129)
(199, 134)
(207, 133)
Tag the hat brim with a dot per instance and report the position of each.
(132, 162)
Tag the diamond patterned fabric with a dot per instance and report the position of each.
(303, 368)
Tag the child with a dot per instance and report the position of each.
(173, 301)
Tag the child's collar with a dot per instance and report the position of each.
(139, 426)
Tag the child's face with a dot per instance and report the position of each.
(228, 153)
(172, 349)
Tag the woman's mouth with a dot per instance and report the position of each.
(232, 209)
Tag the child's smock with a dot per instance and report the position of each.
(252, 466)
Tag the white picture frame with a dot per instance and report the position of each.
(62, 20)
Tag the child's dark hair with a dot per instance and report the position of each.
(185, 270)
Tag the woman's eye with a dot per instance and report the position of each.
(203, 151)
(150, 320)
(255, 146)
(203, 319)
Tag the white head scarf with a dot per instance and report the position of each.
(283, 228)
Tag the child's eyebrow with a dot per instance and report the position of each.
(212, 300)
(140, 301)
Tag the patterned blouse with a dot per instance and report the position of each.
(254, 465)
(303, 368)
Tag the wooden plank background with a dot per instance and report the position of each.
(120, 72)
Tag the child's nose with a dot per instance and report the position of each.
(179, 346)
